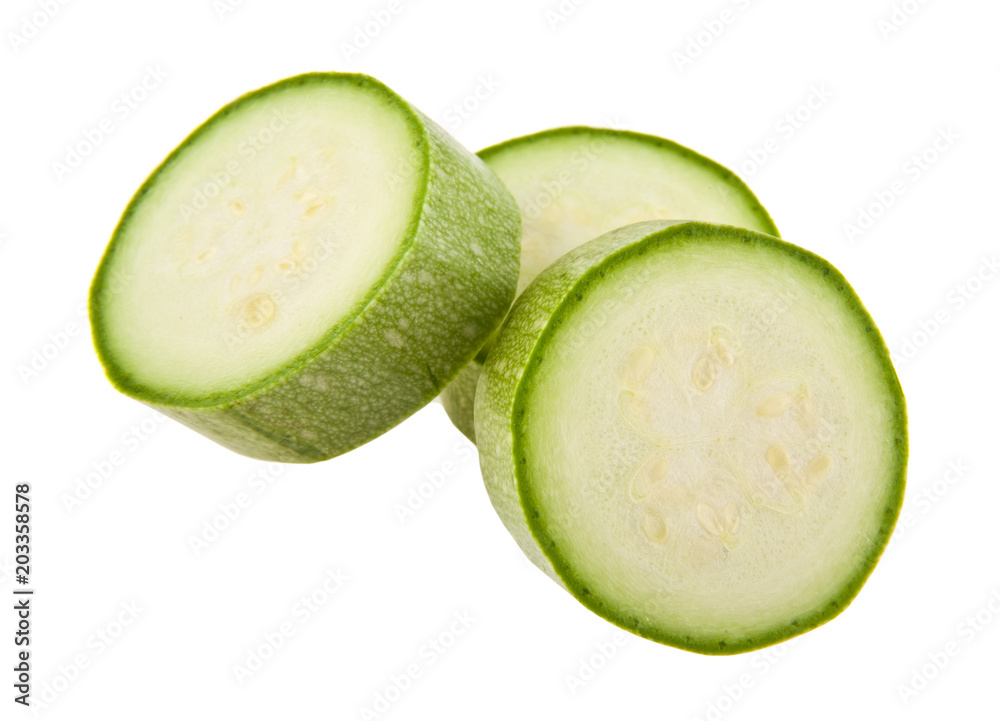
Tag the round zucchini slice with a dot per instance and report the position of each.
(697, 430)
(574, 184)
(308, 268)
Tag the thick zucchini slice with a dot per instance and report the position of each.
(310, 267)
(698, 431)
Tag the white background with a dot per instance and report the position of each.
(198, 616)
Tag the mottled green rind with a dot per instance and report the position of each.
(458, 398)
(506, 384)
(443, 295)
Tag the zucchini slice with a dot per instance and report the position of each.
(308, 268)
(574, 184)
(697, 430)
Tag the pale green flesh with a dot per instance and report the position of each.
(574, 184)
(704, 445)
(223, 293)
(571, 188)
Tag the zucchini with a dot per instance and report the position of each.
(308, 268)
(697, 430)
